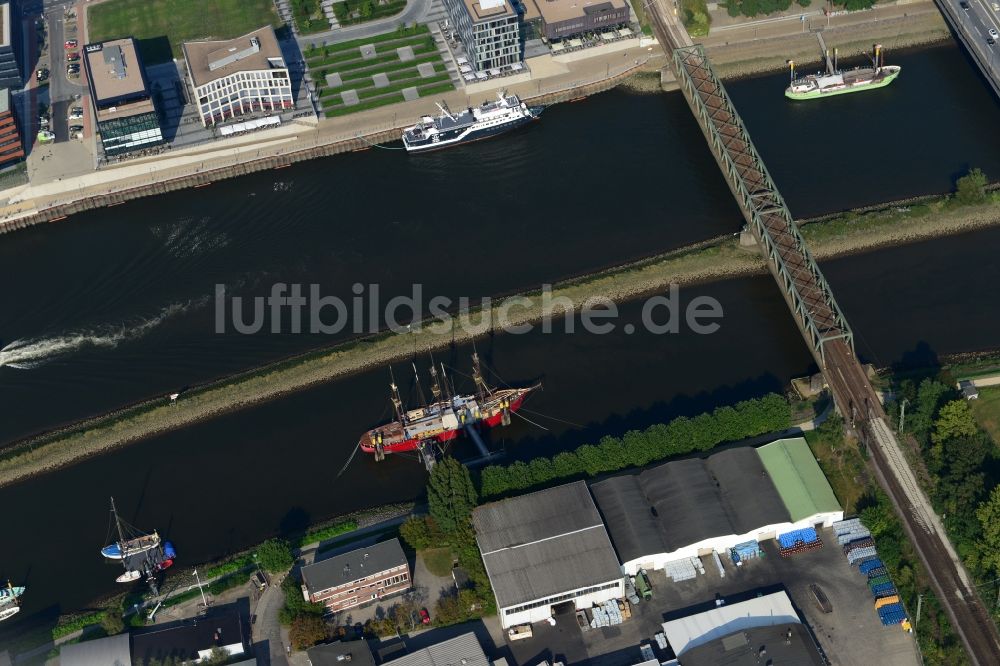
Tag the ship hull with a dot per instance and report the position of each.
(467, 135)
(134, 547)
(819, 93)
(402, 445)
(6, 613)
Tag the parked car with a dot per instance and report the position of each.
(996, 6)
(41, 75)
(994, 34)
(76, 113)
(43, 121)
(46, 137)
(964, 5)
(76, 128)
(991, 41)
(71, 44)
(72, 69)
(425, 617)
(72, 56)
(259, 580)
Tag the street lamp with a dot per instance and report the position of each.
(204, 602)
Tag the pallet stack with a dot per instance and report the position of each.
(859, 547)
(607, 614)
(798, 541)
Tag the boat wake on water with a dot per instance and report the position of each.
(29, 353)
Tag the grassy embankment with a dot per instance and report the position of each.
(834, 236)
(161, 26)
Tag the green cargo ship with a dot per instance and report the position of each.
(837, 82)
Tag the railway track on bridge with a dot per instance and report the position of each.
(825, 329)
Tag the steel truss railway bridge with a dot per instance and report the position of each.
(824, 328)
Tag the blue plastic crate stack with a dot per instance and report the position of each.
(798, 541)
(859, 547)
(742, 552)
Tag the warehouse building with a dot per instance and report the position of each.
(546, 549)
(559, 19)
(762, 630)
(357, 577)
(689, 508)
(462, 650)
(126, 116)
(490, 31)
(236, 77)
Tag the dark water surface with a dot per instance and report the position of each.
(115, 305)
(561, 198)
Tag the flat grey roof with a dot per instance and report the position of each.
(787, 643)
(686, 501)
(211, 60)
(114, 67)
(353, 565)
(109, 651)
(463, 650)
(336, 654)
(544, 543)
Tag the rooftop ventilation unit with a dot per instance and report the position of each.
(224, 57)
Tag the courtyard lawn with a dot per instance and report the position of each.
(356, 72)
(161, 26)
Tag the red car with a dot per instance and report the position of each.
(70, 44)
(73, 56)
(425, 617)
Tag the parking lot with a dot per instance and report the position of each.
(850, 634)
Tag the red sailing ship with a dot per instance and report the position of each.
(445, 417)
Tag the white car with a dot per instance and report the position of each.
(996, 7)
(76, 114)
(993, 33)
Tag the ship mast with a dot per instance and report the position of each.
(397, 402)
(118, 526)
(435, 384)
(482, 390)
(447, 388)
(420, 390)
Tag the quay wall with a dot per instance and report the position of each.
(206, 177)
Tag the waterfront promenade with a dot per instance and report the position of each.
(749, 45)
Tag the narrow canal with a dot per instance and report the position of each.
(115, 305)
(500, 216)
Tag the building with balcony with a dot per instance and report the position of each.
(237, 77)
(127, 119)
(11, 147)
(560, 19)
(490, 31)
(357, 577)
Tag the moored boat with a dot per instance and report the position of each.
(7, 612)
(493, 118)
(839, 82)
(130, 541)
(10, 598)
(445, 417)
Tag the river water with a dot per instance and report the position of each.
(115, 305)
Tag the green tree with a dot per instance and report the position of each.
(971, 188)
(954, 420)
(275, 556)
(566, 464)
(112, 622)
(450, 495)
(988, 514)
(421, 532)
(306, 631)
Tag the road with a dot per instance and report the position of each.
(412, 13)
(972, 24)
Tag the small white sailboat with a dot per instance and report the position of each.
(130, 540)
(128, 577)
(9, 601)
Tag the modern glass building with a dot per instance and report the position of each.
(127, 119)
(236, 77)
(490, 31)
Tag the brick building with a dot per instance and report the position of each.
(358, 577)
(11, 148)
